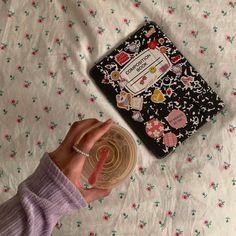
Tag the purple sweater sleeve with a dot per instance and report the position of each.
(40, 201)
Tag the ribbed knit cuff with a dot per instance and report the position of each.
(50, 188)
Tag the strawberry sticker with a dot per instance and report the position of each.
(154, 128)
(152, 44)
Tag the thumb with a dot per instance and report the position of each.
(94, 194)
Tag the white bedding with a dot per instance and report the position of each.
(46, 50)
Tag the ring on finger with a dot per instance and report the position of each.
(79, 151)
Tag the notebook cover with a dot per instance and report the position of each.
(155, 89)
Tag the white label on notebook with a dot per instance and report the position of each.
(144, 70)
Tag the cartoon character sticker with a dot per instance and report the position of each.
(127, 101)
(137, 116)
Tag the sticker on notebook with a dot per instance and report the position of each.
(177, 119)
(170, 139)
(163, 49)
(186, 80)
(137, 116)
(154, 128)
(164, 68)
(169, 92)
(152, 44)
(177, 69)
(176, 58)
(145, 69)
(115, 75)
(137, 103)
(124, 100)
(157, 96)
(150, 32)
(122, 83)
(152, 69)
(134, 46)
(161, 40)
(122, 58)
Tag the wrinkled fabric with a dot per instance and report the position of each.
(46, 51)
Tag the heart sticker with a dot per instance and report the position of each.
(157, 96)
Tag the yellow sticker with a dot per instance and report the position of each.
(157, 96)
(152, 69)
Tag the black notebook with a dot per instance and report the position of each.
(155, 89)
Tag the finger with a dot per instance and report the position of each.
(95, 194)
(91, 137)
(77, 129)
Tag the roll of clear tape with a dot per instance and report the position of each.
(121, 160)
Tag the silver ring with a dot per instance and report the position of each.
(79, 151)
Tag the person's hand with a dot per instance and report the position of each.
(71, 163)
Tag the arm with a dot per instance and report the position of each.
(41, 200)
(54, 189)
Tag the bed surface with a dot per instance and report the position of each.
(46, 50)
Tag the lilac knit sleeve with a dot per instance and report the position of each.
(40, 201)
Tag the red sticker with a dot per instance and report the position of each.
(177, 119)
(170, 139)
(176, 58)
(122, 57)
(186, 80)
(154, 128)
(152, 44)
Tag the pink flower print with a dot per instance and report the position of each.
(206, 14)
(227, 75)
(7, 137)
(171, 10)
(233, 93)
(141, 224)
(231, 129)
(142, 170)
(194, 33)
(106, 216)
(186, 195)
(70, 24)
(149, 187)
(63, 8)
(207, 223)
(92, 13)
(19, 119)
(220, 203)
(226, 165)
(218, 147)
(169, 213)
(137, 3)
(3, 46)
(41, 19)
(28, 36)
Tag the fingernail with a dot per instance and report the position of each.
(108, 121)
